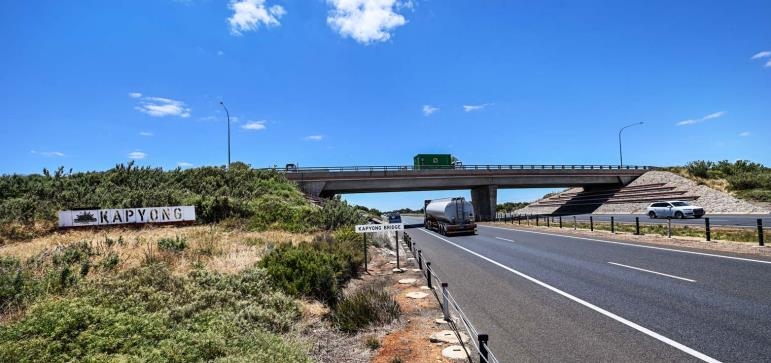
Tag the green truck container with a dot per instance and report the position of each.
(433, 161)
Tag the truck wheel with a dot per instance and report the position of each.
(651, 215)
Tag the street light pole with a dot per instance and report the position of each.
(228, 114)
(620, 155)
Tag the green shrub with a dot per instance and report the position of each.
(372, 343)
(110, 261)
(699, 168)
(74, 253)
(347, 250)
(761, 195)
(148, 314)
(12, 279)
(337, 213)
(175, 244)
(304, 271)
(372, 305)
(747, 180)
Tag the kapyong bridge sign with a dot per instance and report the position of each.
(103, 217)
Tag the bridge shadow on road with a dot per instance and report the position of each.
(413, 225)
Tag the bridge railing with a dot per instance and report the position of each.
(372, 168)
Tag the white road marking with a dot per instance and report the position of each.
(598, 309)
(633, 245)
(653, 272)
(505, 239)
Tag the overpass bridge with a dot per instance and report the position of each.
(483, 180)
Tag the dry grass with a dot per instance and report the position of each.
(213, 247)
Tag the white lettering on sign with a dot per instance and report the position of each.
(103, 217)
(374, 228)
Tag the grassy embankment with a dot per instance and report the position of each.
(231, 289)
(744, 179)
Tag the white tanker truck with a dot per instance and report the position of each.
(449, 216)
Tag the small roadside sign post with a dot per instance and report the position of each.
(375, 228)
(396, 245)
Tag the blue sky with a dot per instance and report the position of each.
(89, 84)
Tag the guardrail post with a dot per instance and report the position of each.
(445, 302)
(548, 223)
(365, 252)
(575, 224)
(612, 225)
(420, 259)
(536, 220)
(591, 224)
(482, 339)
(706, 229)
(428, 274)
(669, 227)
(397, 250)
(760, 232)
(560, 221)
(636, 226)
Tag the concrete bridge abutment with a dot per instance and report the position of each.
(485, 201)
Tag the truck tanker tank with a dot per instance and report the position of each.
(450, 215)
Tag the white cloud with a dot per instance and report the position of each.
(254, 125)
(314, 138)
(763, 54)
(249, 14)
(48, 154)
(469, 108)
(161, 107)
(428, 110)
(698, 121)
(145, 133)
(366, 21)
(184, 164)
(745, 133)
(136, 155)
(135, 95)
(713, 115)
(768, 64)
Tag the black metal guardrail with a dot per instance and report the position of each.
(547, 220)
(335, 169)
(451, 310)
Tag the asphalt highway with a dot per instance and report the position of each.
(545, 297)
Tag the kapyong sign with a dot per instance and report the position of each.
(374, 228)
(103, 217)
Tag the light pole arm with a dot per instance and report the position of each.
(620, 155)
(228, 115)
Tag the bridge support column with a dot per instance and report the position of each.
(312, 188)
(485, 200)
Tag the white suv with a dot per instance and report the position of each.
(674, 209)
